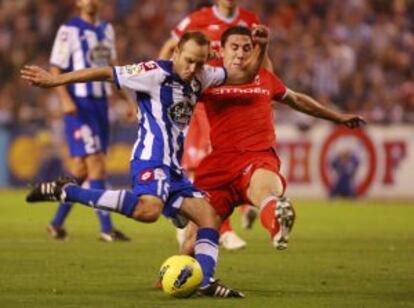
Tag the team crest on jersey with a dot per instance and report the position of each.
(100, 55)
(146, 175)
(180, 113)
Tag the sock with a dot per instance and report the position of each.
(61, 213)
(225, 226)
(206, 252)
(120, 201)
(267, 215)
(103, 216)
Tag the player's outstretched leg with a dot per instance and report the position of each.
(276, 213)
(206, 246)
(65, 189)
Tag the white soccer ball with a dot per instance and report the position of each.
(180, 276)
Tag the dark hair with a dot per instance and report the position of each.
(196, 36)
(239, 30)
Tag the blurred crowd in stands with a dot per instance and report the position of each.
(357, 55)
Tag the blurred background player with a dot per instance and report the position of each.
(344, 166)
(243, 166)
(82, 42)
(212, 21)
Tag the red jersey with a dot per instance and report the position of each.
(197, 142)
(241, 116)
(209, 21)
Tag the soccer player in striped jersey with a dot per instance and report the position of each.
(166, 92)
(83, 42)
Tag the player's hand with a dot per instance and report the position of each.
(37, 76)
(260, 34)
(352, 120)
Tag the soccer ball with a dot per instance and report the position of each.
(180, 276)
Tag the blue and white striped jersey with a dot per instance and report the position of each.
(166, 105)
(78, 45)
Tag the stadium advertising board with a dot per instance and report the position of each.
(373, 162)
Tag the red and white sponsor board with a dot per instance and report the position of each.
(385, 155)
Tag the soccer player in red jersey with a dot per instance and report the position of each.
(212, 21)
(243, 166)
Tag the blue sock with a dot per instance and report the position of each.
(206, 252)
(61, 213)
(120, 201)
(103, 216)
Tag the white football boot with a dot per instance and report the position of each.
(231, 241)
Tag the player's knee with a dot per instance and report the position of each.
(79, 170)
(96, 166)
(148, 209)
(260, 192)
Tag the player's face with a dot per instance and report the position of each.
(237, 49)
(229, 4)
(88, 6)
(189, 60)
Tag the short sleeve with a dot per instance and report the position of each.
(141, 77)
(212, 76)
(110, 35)
(279, 90)
(62, 48)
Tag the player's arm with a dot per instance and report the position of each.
(167, 49)
(267, 63)
(39, 77)
(68, 105)
(260, 36)
(306, 104)
(123, 94)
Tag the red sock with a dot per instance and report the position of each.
(226, 226)
(267, 215)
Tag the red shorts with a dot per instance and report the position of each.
(225, 176)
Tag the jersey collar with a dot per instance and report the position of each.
(223, 18)
(167, 66)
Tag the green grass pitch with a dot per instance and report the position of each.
(341, 254)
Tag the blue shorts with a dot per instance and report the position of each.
(159, 180)
(87, 131)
